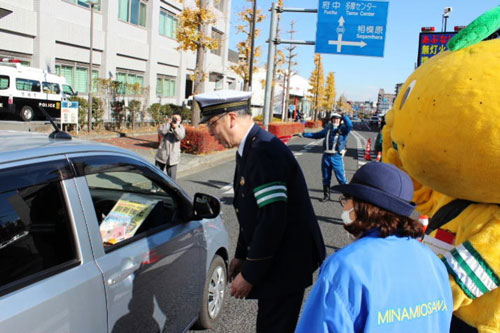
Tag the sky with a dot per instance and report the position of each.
(360, 78)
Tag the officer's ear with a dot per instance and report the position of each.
(233, 116)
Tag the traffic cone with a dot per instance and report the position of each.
(379, 156)
(368, 149)
(424, 219)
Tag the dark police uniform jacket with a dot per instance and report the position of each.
(280, 240)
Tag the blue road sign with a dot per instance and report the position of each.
(351, 27)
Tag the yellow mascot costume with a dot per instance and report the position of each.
(444, 131)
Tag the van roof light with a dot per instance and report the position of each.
(10, 60)
(428, 29)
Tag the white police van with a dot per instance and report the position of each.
(24, 89)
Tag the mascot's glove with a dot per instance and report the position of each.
(342, 152)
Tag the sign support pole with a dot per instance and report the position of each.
(273, 41)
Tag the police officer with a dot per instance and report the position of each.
(334, 146)
(280, 244)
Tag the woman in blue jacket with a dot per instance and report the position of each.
(334, 146)
(385, 281)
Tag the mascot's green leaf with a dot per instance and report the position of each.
(478, 30)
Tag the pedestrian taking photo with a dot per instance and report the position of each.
(168, 155)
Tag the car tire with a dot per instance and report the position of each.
(213, 294)
(27, 113)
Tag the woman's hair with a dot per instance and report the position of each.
(370, 217)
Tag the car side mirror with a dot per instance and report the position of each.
(205, 206)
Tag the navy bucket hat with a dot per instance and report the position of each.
(382, 185)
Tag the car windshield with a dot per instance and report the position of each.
(68, 90)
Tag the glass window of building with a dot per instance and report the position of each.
(217, 35)
(78, 77)
(219, 4)
(168, 24)
(218, 78)
(130, 83)
(84, 3)
(165, 86)
(132, 11)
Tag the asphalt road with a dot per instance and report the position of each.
(240, 315)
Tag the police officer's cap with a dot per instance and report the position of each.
(335, 115)
(222, 101)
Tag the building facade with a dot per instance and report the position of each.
(384, 101)
(299, 99)
(134, 42)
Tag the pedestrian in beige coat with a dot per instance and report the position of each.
(169, 150)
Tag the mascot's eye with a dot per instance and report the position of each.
(407, 93)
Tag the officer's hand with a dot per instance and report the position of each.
(240, 288)
(234, 268)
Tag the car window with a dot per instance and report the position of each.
(27, 85)
(36, 237)
(51, 88)
(4, 82)
(129, 199)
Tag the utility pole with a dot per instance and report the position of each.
(252, 46)
(290, 61)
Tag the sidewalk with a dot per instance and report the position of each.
(145, 145)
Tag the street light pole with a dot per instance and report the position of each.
(89, 119)
(446, 14)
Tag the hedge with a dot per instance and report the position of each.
(199, 141)
(286, 129)
(314, 124)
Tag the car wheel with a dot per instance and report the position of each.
(27, 113)
(214, 294)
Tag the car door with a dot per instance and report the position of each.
(49, 281)
(149, 255)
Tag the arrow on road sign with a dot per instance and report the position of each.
(339, 42)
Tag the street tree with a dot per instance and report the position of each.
(344, 105)
(193, 35)
(316, 81)
(245, 46)
(329, 100)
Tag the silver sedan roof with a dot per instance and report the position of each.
(15, 146)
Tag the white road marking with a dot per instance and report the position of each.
(227, 187)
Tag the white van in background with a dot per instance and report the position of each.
(24, 89)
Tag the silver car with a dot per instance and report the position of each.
(93, 238)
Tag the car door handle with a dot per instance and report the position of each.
(122, 275)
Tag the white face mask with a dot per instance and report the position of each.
(346, 218)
